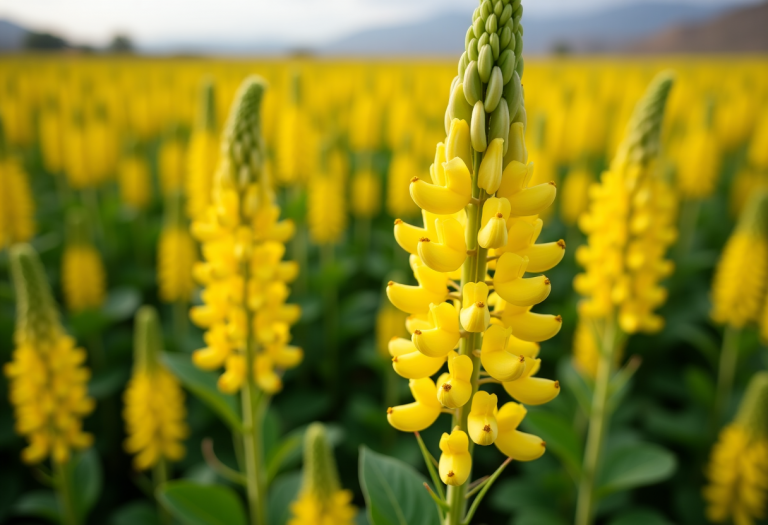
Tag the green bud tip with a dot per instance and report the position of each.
(753, 410)
(321, 477)
(147, 339)
(207, 113)
(754, 218)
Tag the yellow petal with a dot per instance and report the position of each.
(520, 446)
(412, 299)
(481, 422)
(458, 143)
(533, 390)
(408, 362)
(490, 172)
(533, 201)
(497, 361)
(542, 257)
(444, 334)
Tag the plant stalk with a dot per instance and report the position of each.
(598, 423)
(159, 477)
(729, 355)
(64, 493)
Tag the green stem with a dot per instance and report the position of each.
(180, 324)
(598, 422)
(64, 494)
(160, 477)
(486, 487)
(689, 216)
(254, 406)
(729, 355)
(472, 271)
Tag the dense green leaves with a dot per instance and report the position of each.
(194, 504)
(38, 503)
(394, 492)
(138, 512)
(282, 492)
(634, 466)
(87, 481)
(203, 385)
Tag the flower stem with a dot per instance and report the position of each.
(598, 422)
(64, 493)
(159, 477)
(254, 405)
(729, 355)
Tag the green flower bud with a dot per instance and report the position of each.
(478, 26)
(494, 89)
(498, 7)
(521, 116)
(505, 2)
(37, 318)
(486, 9)
(484, 39)
(753, 409)
(455, 80)
(513, 93)
(506, 63)
(516, 4)
(147, 339)
(518, 44)
(485, 63)
(517, 150)
(477, 128)
(473, 86)
(447, 118)
(506, 38)
(491, 24)
(472, 49)
(458, 106)
(468, 38)
(505, 15)
(206, 116)
(494, 42)
(516, 23)
(499, 124)
(463, 61)
(475, 14)
(320, 474)
(520, 66)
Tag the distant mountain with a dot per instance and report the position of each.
(595, 31)
(740, 30)
(11, 36)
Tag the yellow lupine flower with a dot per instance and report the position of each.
(512, 442)
(321, 500)
(455, 461)
(747, 182)
(698, 166)
(365, 197)
(134, 181)
(17, 208)
(51, 139)
(390, 324)
(154, 401)
(402, 169)
(48, 380)
(203, 154)
(176, 256)
(629, 225)
(83, 275)
(738, 289)
(244, 277)
(420, 414)
(575, 194)
(171, 165)
(738, 469)
(326, 209)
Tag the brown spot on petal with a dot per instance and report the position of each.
(487, 428)
(480, 304)
(424, 239)
(561, 244)
(552, 183)
(417, 332)
(559, 318)
(394, 338)
(414, 179)
(447, 387)
(451, 474)
(499, 216)
(391, 283)
(557, 385)
(394, 359)
(389, 410)
(547, 282)
(543, 443)
(522, 358)
(398, 221)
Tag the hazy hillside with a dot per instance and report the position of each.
(601, 30)
(741, 30)
(11, 36)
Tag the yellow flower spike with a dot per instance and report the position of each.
(475, 316)
(436, 170)
(532, 390)
(448, 252)
(448, 199)
(513, 443)
(493, 233)
(416, 416)
(455, 461)
(265, 375)
(443, 334)
(458, 143)
(217, 350)
(511, 286)
(497, 358)
(490, 173)
(481, 422)
(455, 388)
(409, 363)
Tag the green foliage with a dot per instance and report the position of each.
(194, 504)
(394, 492)
(636, 465)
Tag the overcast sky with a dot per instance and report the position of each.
(153, 22)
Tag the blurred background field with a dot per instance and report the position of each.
(119, 137)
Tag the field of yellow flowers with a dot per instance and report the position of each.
(302, 291)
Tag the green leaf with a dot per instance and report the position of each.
(575, 384)
(634, 466)
(394, 492)
(194, 504)
(38, 503)
(538, 517)
(560, 437)
(134, 513)
(203, 385)
(640, 517)
(121, 303)
(87, 482)
(283, 492)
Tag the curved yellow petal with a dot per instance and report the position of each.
(448, 199)
(458, 143)
(543, 257)
(412, 299)
(455, 461)
(448, 252)
(408, 362)
(455, 389)
(520, 446)
(532, 201)
(490, 173)
(407, 236)
(513, 288)
(530, 326)
(533, 390)
(496, 359)
(413, 417)
(481, 422)
(475, 316)
(444, 334)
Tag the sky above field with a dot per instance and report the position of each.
(297, 22)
